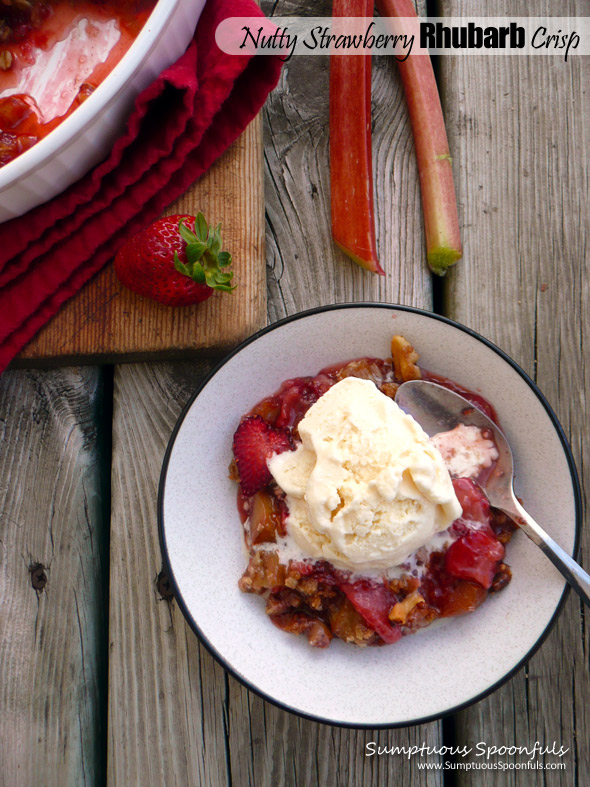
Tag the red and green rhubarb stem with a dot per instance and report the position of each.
(441, 222)
(351, 164)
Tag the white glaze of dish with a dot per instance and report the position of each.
(344, 684)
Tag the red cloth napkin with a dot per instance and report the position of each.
(180, 125)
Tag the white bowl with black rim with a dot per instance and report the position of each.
(423, 676)
(87, 135)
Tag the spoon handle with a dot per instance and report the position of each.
(574, 573)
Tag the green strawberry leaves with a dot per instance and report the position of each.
(205, 260)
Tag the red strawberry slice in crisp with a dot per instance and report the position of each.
(255, 441)
(475, 505)
(474, 556)
(373, 601)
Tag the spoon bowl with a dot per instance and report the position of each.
(438, 409)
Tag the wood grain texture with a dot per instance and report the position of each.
(107, 322)
(264, 745)
(175, 717)
(521, 146)
(53, 638)
(305, 269)
(166, 694)
(268, 746)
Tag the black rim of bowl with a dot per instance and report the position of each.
(221, 659)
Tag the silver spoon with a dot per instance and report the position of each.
(437, 409)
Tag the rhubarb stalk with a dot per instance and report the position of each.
(351, 166)
(441, 223)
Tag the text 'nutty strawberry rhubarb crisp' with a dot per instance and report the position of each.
(358, 525)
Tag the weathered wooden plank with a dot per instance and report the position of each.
(521, 146)
(108, 322)
(166, 694)
(305, 269)
(53, 619)
(268, 746)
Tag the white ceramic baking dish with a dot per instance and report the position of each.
(86, 136)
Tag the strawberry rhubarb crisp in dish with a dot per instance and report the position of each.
(53, 55)
(357, 524)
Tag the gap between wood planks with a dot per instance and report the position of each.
(450, 737)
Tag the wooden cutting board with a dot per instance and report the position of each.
(105, 322)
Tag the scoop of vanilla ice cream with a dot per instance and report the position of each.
(365, 488)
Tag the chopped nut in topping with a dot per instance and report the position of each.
(405, 359)
(6, 60)
(262, 573)
(502, 578)
(400, 611)
(317, 633)
(404, 584)
(389, 389)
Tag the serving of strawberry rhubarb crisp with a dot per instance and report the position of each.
(357, 524)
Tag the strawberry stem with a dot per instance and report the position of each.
(205, 260)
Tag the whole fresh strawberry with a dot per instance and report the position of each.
(177, 260)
